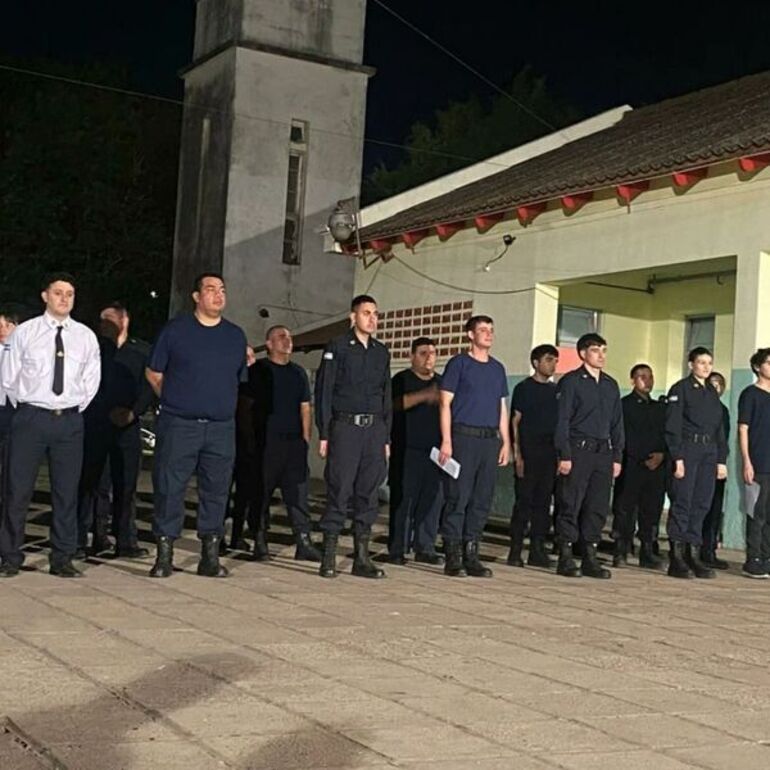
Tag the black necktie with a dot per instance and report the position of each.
(58, 364)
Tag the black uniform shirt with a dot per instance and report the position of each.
(353, 379)
(588, 409)
(694, 409)
(644, 424)
(131, 387)
(418, 427)
(536, 402)
(278, 391)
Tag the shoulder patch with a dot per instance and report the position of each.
(558, 395)
(328, 355)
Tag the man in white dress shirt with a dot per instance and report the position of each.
(50, 371)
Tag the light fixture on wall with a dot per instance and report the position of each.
(508, 240)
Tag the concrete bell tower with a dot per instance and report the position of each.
(272, 138)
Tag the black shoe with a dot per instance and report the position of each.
(65, 570)
(538, 557)
(620, 554)
(8, 570)
(328, 568)
(710, 559)
(164, 558)
(566, 566)
(397, 558)
(677, 566)
(453, 565)
(239, 544)
(471, 561)
(222, 547)
(80, 554)
(132, 552)
(754, 568)
(700, 570)
(648, 559)
(100, 545)
(306, 548)
(429, 557)
(591, 566)
(209, 565)
(363, 566)
(261, 551)
(514, 555)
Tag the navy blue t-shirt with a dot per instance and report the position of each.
(201, 366)
(536, 401)
(278, 390)
(754, 411)
(478, 388)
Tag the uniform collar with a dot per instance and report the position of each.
(586, 375)
(695, 384)
(52, 323)
(353, 339)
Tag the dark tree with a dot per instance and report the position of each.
(470, 131)
(87, 185)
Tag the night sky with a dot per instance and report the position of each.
(595, 55)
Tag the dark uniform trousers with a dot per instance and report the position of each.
(355, 469)
(6, 414)
(111, 459)
(36, 433)
(415, 501)
(584, 494)
(282, 460)
(468, 499)
(638, 502)
(246, 497)
(185, 447)
(712, 524)
(758, 525)
(534, 491)
(691, 496)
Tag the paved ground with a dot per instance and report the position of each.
(276, 668)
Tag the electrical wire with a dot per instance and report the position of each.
(467, 66)
(229, 113)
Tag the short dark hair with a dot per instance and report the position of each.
(475, 320)
(422, 341)
(542, 350)
(274, 327)
(198, 282)
(755, 361)
(11, 317)
(115, 305)
(360, 300)
(719, 376)
(50, 278)
(636, 367)
(590, 340)
(697, 352)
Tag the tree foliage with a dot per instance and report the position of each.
(87, 185)
(469, 131)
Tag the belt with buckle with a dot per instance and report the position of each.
(54, 412)
(359, 420)
(699, 438)
(592, 444)
(475, 431)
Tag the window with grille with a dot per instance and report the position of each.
(574, 322)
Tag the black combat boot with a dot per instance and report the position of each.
(363, 566)
(471, 561)
(648, 559)
(700, 570)
(591, 566)
(514, 554)
(328, 568)
(538, 557)
(709, 557)
(454, 559)
(306, 548)
(261, 552)
(429, 557)
(677, 566)
(209, 565)
(164, 558)
(566, 565)
(620, 553)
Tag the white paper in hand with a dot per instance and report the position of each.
(451, 466)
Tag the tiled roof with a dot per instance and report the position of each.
(720, 123)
